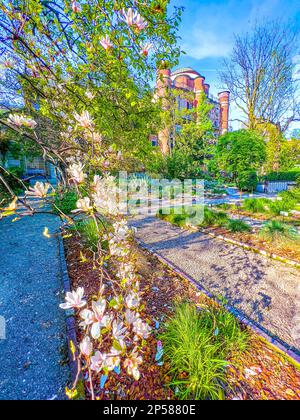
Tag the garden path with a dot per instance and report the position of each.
(32, 357)
(264, 290)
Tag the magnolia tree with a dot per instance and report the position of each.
(85, 68)
(64, 58)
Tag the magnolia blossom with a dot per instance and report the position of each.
(83, 204)
(131, 316)
(140, 22)
(76, 7)
(86, 346)
(118, 332)
(105, 195)
(146, 48)
(96, 318)
(97, 361)
(84, 119)
(76, 173)
(133, 18)
(74, 299)
(9, 63)
(141, 329)
(39, 190)
(21, 120)
(132, 301)
(132, 364)
(90, 95)
(106, 43)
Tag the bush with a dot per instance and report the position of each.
(214, 218)
(197, 344)
(89, 233)
(276, 207)
(282, 176)
(275, 231)
(238, 226)
(247, 181)
(256, 205)
(65, 203)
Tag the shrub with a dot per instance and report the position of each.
(11, 177)
(214, 218)
(238, 226)
(247, 181)
(282, 176)
(275, 231)
(256, 205)
(197, 344)
(276, 207)
(65, 203)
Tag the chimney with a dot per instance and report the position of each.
(224, 110)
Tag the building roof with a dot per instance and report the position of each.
(186, 70)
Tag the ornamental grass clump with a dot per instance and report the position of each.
(281, 233)
(198, 345)
(256, 205)
(214, 218)
(238, 226)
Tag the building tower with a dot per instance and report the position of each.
(224, 111)
(163, 83)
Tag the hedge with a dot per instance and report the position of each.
(281, 176)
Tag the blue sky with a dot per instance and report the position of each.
(207, 29)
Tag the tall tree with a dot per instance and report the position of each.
(261, 75)
(67, 58)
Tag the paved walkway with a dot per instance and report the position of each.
(30, 292)
(267, 291)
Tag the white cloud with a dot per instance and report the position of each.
(206, 44)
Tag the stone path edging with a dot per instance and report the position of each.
(279, 345)
(70, 314)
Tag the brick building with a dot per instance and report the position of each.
(190, 80)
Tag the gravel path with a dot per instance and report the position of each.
(267, 291)
(30, 291)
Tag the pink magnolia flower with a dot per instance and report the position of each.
(21, 120)
(106, 43)
(76, 173)
(129, 16)
(118, 332)
(111, 362)
(141, 329)
(140, 22)
(74, 299)
(97, 361)
(39, 190)
(76, 7)
(86, 346)
(145, 49)
(132, 364)
(96, 318)
(84, 119)
(9, 63)
(83, 204)
(132, 301)
(131, 316)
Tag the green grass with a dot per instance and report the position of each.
(197, 345)
(281, 233)
(65, 203)
(238, 226)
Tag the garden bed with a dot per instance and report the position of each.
(253, 240)
(259, 373)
